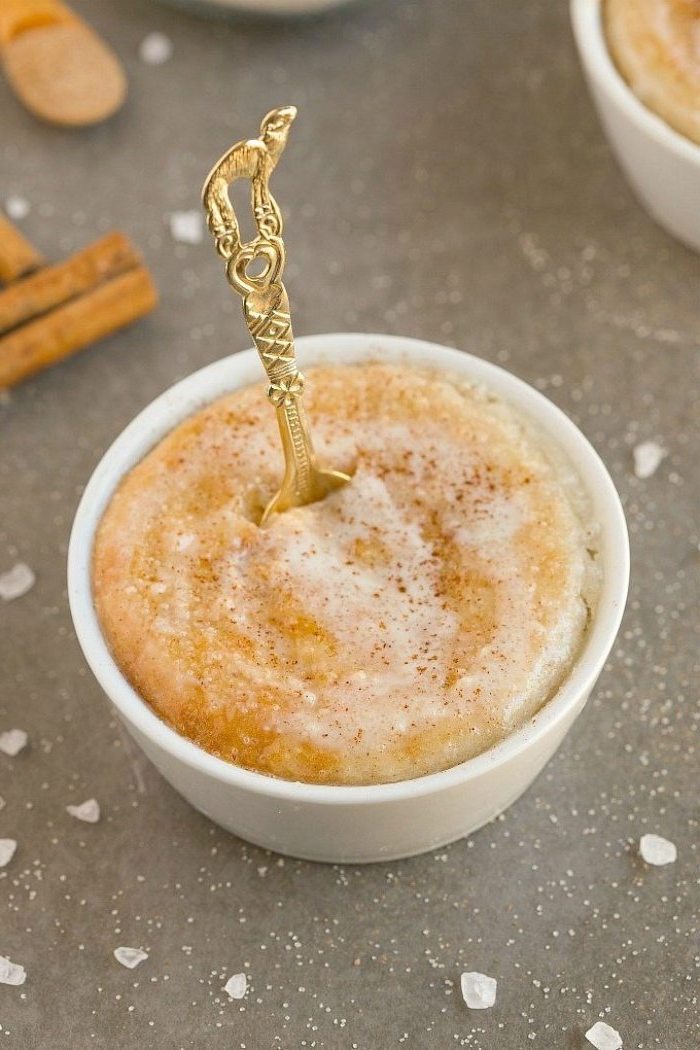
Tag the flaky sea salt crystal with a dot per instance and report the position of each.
(657, 850)
(11, 973)
(16, 582)
(603, 1037)
(155, 49)
(17, 207)
(130, 957)
(478, 990)
(12, 742)
(236, 986)
(7, 851)
(186, 227)
(89, 811)
(647, 458)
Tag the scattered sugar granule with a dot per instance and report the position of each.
(7, 851)
(236, 986)
(657, 850)
(603, 1037)
(13, 741)
(89, 811)
(11, 973)
(16, 582)
(478, 990)
(186, 227)
(130, 957)
(647, 458)
(17, 207)
(155, 49)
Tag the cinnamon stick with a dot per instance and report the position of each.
(31, 296)
(75, 324)
(17, 255)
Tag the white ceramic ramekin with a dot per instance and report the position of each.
(275, 8)
(356, 824)
(662, 166)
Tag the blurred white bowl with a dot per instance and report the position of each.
(381, 821)
(261, 7)
(662, 166)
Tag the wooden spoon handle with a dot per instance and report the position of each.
(17, 16)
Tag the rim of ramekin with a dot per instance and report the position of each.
(230, 373)
(276, 8)
(589, 32)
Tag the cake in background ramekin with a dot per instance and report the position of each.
(661, 164)
(656, 46)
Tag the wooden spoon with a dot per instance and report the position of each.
(60, 68)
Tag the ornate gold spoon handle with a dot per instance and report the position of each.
(265, 302)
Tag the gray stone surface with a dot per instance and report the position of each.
(446, 178)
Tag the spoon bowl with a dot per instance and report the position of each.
(57, 65)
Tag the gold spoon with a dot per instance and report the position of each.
(265, 303)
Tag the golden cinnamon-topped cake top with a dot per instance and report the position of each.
(656, 47)
(404, 623)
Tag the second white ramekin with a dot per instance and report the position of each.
(263, 8)
(357, 824)
(662, 166)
